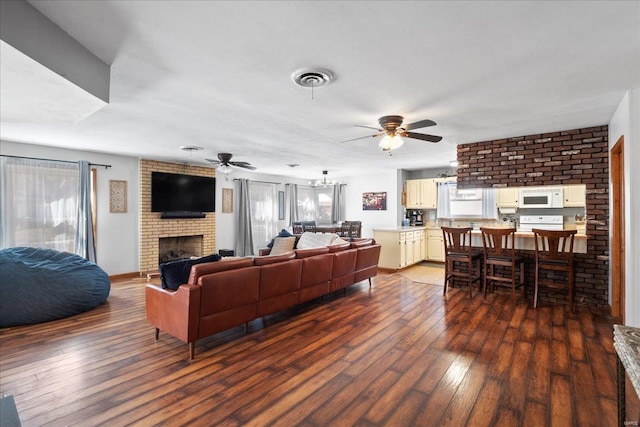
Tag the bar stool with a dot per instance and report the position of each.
(499, 250)
(458, 249)
(554, 252)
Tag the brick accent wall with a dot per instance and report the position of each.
(152, 228)
(577, 156)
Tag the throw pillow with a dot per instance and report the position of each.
(314, 240)
(282, 233)
(338, 240)
(176, 273)
(282, 245)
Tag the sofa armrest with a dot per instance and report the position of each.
(174, 312)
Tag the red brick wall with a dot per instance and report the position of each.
(578, 156)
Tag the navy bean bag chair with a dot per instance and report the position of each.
(39, 285)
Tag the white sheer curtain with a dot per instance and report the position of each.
(264, 213)
(38, 203)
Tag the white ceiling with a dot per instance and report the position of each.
(218, 75)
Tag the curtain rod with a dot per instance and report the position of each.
(53, 160)
(262, 182)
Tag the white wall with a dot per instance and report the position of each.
(117, 233)
(382, 181)
(626, 121)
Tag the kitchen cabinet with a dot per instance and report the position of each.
(421, 241)
(422, 193)
(435, 245)
(400, 247)
(507, 197)
(575, 196)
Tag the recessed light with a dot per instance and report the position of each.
(453, 163)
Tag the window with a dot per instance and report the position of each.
(315, 204)
(264, 213)
(39, 203)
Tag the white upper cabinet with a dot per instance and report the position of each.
(575, 196)
(507, 197)
(422, 193)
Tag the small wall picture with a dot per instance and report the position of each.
(374, 201)
(117, 196)
(227, 200)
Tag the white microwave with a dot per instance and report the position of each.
(541, 197)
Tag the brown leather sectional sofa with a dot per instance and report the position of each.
(224, 294)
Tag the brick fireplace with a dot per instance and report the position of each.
(153, 228)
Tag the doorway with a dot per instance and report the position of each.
(617, 248)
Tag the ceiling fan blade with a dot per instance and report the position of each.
(420, 124)
(215, 162)
(368, 127)
(240, 164)
(244, 165)
(421, 136)
(363, 137)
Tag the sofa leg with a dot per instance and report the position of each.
(246, 327)
(192, 350)
(369, 281)
(157, 333)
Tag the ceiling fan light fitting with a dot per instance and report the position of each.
(224, 168)
(391, 142)
(453, 163)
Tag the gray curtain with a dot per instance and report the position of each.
(85, 241)
(291, 194)
(244, 241)
(338, 204)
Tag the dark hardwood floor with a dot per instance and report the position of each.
(398, 354)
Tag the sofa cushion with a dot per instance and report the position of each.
(282, 245)
(282, 233)
(176, 273)
(339, 247)
(269, 259)
(306, 253)
(225, 263)
(358, 243)
(310, 240)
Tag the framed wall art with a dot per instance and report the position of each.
(227, 200)
(117, 196)
(374, 201)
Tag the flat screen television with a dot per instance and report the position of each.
(182, 194)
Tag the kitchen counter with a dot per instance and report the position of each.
(523, 239)
(401, 228)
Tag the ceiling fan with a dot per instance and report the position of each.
(392, 129)
(224, 163)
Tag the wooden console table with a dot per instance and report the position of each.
(626, 340)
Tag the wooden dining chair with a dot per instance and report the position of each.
(297, 227)
(461, 260)
(345, 229)
(554, 253)
(355, 229)
(499, 251)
